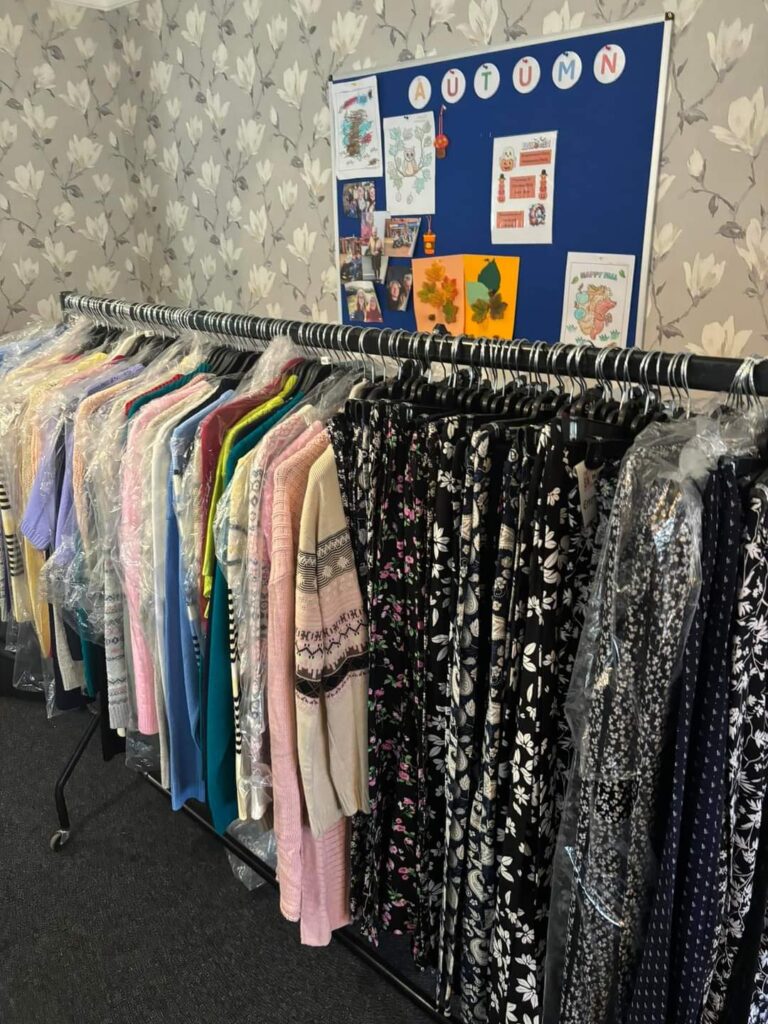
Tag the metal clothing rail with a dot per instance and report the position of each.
(704, 373)
(633, 365)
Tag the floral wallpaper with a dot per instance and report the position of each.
(179, 150)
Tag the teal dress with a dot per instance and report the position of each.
(216, 696)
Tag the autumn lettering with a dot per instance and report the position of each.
(608, 65)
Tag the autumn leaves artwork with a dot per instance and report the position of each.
(439, 292)
(475, 295)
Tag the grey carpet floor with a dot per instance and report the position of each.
(139, 919)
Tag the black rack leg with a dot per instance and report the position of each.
(61, 835)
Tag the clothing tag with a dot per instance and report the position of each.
(587, 495)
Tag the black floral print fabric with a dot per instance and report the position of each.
(560, 568)
(447, 453)
(486, 817)
(525, 677)
(747, 764)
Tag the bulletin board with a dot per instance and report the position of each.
(607, 158)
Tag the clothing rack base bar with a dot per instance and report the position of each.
(64, 831)
(703, 373)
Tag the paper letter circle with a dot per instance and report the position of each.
(610, 61)
(487, 80)
(454, 84)
(566, 71)
(526, 74)
(419, 92)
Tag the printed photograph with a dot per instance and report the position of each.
(363, 303)
(400, 234)
(350, 258)
(398, 287)
(374, 260)
(357, 197)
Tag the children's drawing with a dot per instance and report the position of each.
(491, 290)
(357, 129)
(597, 298)
(410, 163)
(438, 292)
(592, 310)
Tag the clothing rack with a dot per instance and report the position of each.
(639, 366)
(581, 361)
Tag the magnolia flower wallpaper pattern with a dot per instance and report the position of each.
(179, 150)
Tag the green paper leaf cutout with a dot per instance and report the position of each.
(450, 311)
(621, 273)
(479, 310)
(490, 276)
(477, 291)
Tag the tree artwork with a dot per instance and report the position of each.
(356, 127)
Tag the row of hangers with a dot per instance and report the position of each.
(594, 416)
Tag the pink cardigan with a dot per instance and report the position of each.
(313, 873)
(132, 492)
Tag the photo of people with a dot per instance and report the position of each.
(398, 287)
(366, 225)
(362, 302)
(350, 258)
(400, 234)
(374, 261)
(357, 197)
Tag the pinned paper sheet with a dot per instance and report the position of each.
(597, 298)
(356, 128)
(523, 189)
(410, 162)
(491, 295)
(438, 292)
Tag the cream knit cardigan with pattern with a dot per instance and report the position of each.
(331, 658)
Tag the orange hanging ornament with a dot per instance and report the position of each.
(441, 139)
(428, 239)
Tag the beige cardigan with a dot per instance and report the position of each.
(331, 658)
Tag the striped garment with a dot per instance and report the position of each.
(331, 658)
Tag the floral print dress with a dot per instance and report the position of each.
(502, 652)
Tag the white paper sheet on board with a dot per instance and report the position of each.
(523, 189)
(356, 128)
(597, 297)
(409, 156)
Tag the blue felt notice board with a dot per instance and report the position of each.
(606, 163)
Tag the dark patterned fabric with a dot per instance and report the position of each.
(560, 568)
(747, 748)
(618, 706)
(518, 626)
(703, 814)
(652, 985)
(447, 452)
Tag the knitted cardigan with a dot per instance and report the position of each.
(313, 873)
(331, 658)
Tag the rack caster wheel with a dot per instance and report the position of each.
(58, 839)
